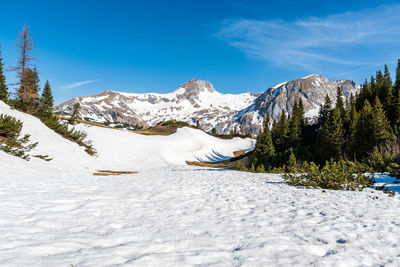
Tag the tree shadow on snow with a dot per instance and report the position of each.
(214, 156)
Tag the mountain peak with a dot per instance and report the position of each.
(196, 86)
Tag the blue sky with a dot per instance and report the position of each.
(85, 47)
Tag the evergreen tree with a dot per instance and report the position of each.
(75, 113)
(353, 118)
(28, 89)
(295, 124)
(280, 133)
(324, 111)
(331, 137)
(386, 94)
(362, 139)
(264, 149)
(396, 110)
(47, 101)
(373, 89)
(397, 82)
(340, 104)
(380, 125)
(3, 86)
(292, 166)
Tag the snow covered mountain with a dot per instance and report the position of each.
(311, 90)
(198, 101)
(194, 101)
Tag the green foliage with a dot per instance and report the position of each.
(280, 133)
(241, 167)
(3, 86)
(331, 137)
(11, 140)
(71, 134)
(75, 113)
(47, 101)
(362, 137)
(29, 88)
(340, 104)
(325, 110)
(252, 168)
(292, 166)
(264, 150)
(260, 168)
(334, 175)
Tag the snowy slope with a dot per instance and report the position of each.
(194, 101)
(57, 214)
(122, 149)
(198, 101)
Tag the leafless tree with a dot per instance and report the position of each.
(24, 43)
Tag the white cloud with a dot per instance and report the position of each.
(348, 40)
(77, 84)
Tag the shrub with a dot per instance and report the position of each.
(241, 167)
(11, 141)
(334, 175)
(71, 134)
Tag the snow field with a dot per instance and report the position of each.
(57, 214)
(183, 216)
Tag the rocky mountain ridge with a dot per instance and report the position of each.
(197, 101)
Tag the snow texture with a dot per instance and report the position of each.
(57, 214)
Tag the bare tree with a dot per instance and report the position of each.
(24, 43)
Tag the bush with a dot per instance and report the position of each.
(241, 167)
(11, 141)
(334, 175)
(71, 134)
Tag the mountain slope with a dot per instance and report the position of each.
(311, 90)
(117, 149)
(193, 101)
(198, 101)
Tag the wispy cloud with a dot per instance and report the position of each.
(77, 84)
(348, 40)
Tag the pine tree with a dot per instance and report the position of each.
(292, 166)
(331, 137)
(47, 101)
(3, 86)
(352, 121)
(28, 89)
(324, 111)
(397, 82)
(295, 124)
(75, 113)
(362, 139)
(396, 110)
(280, 133)
(264, 149)
(380, 125)
(386, 94)
(373, 89)
(340, 104)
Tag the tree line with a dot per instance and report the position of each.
(362, 128)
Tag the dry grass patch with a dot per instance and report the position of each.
(110, 173)
(224, 164)
(85, 122)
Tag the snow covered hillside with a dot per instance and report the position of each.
(194, 101)
(198, 101)
(118, 149)
(58, 214)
